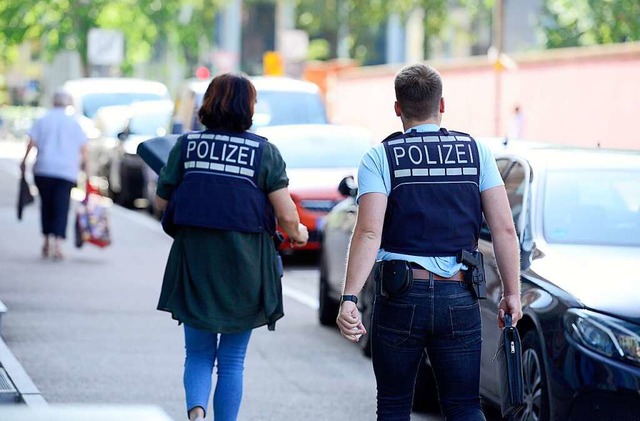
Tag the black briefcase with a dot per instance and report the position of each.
(509, 357)
(155, 152)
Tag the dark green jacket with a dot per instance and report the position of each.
(222, 281)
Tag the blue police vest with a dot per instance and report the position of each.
(434, 207)
(219, 188)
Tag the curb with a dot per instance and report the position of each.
(15, 384)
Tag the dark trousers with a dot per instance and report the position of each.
(443, 318)
(54, 204)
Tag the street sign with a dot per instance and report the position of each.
(105, 47)
(294, 44)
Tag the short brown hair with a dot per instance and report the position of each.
(228, 103)
(418, 91)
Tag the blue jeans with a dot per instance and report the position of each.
(443, 318)
(203, 349)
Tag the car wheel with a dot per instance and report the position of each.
(425, 396)
(328, 309)
(536, 395)
(366, 309)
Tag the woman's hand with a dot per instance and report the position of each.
(301, 237)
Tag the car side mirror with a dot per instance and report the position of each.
(347, 187)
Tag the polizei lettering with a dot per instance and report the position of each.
(227, 152)
(221, 153)
(451, 157)
(432, 154)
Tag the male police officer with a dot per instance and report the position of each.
(422, 194)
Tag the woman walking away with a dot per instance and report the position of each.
(61, 144)
(222, 191)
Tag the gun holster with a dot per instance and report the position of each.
(476, 282)
(474, 275)
(396, 278)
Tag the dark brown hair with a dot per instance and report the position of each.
(418, 90)
(228, 103)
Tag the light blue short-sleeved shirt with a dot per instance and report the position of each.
(373, 177)
(58, 138)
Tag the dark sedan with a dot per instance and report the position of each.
(577, 212)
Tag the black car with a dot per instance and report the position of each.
(128, 179)
(577, 214)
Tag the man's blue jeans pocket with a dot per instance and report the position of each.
(394, 321)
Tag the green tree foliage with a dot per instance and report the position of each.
(365, 21)
(147, 24)
(571, 23)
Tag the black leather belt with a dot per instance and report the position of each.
(423, 275)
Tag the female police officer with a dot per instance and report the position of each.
(223, 187)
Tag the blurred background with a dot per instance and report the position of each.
(525, 68)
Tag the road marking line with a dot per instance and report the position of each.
(301, 297)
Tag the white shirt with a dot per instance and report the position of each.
(58, 137)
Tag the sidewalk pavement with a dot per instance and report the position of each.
(85, 329)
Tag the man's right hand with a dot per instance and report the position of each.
(350, 322)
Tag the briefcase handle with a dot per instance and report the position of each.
(507, 320)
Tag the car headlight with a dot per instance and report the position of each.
(604, 334)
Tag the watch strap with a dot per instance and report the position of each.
(351, 298)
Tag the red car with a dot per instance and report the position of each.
(318, 157)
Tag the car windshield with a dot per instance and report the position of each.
(318, 151)
(92, 102)
(593, 207)
(276, 108)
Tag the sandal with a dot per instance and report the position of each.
(45, 251)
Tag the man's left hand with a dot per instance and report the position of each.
(510, 304)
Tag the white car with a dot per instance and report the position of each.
(90, 94)
(281, 101)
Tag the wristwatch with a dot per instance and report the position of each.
(352, 298)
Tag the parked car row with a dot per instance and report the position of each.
(126, 175)
(577, 214)
(119, 113)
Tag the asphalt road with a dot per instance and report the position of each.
(87, 332)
